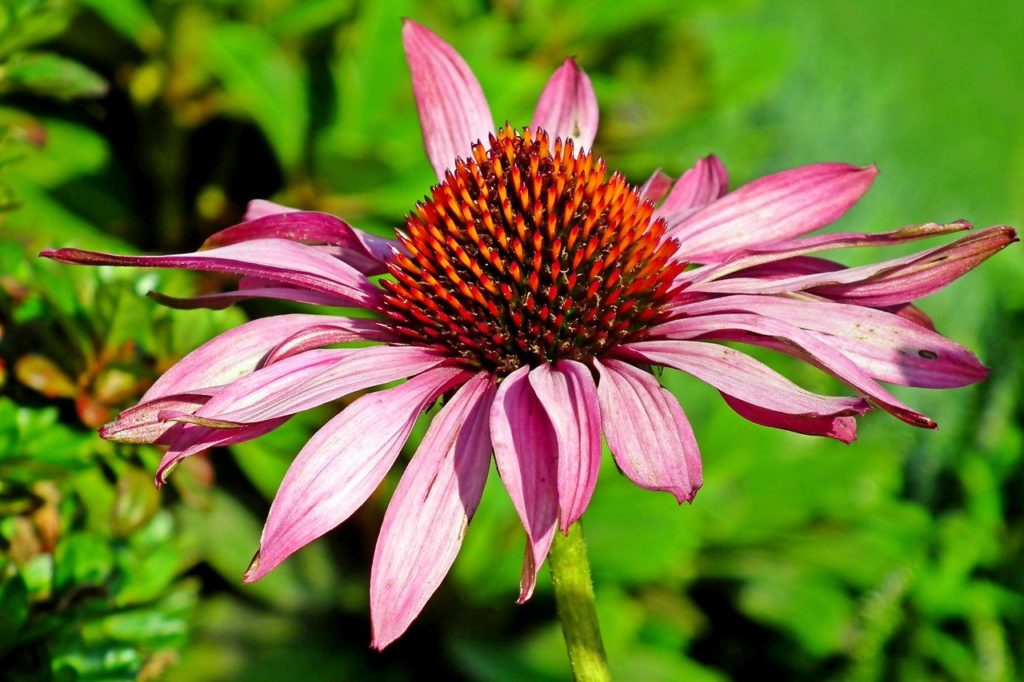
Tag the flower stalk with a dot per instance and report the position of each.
(574, 599)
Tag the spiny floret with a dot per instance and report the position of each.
(527, 254)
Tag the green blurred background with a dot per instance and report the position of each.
(147, 125)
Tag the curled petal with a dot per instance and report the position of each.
(568, 106)
(771, 209)
(740, 376)
(342, 464)
(569, 396)
(187, 439)
(526, 452)
(453, 110)
(703, 184)
(275, 260)
(427, 518)
(142, 423)
(843, 429)
(257, 208)
(229, 298)
(647, 432)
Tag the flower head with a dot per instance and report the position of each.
(534, 289)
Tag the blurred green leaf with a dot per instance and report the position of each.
(50, 75)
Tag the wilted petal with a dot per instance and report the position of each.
(239, 351)
(703, 184)
(453, 110)
(841, 428)
(275, 260)
(741, 376)
(526, 452)
(142, 423)
(822, 352)
(309, 379)
(567, 392)
(647, 432)
(343, 463)
(568, 106)
(430, 510)
(771, 209)
(888, 347)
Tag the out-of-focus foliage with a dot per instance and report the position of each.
(898, 557)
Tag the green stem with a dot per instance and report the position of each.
(574, 598)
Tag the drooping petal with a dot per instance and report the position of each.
(343, 463)
(275, 260)
(427, 517)
(309, 379)
(741, 376)
(892, 282)
(526, 452)
(819, 350)
(567, 392)
(568, 106)
(771, 209)
(843, 429)
(239, 351)
(703, 184)
(647, 431)
(452, 107)
(888, 347)
(185, 440)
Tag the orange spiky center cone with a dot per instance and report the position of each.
(529, 253)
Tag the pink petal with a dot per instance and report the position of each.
(229, 298)
(453, 110)
(567, 392)
(740, 376)
(888, 347)
(526, 452)
(703, 184)
(343, 463)
(430, 510)
(186, 440)
(142, 424)
(334, 330)
(891, 282)
(275, 260)
(568, 106)
(656, 187)
(772, 209)
(257, 208)
(309, 379)
(647, 432)
(311, 227)
(790, 251)
(821, 351)
(239, 351)
(841, 428)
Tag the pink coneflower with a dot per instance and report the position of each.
(534, 290)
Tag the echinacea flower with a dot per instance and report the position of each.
(534, 290)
